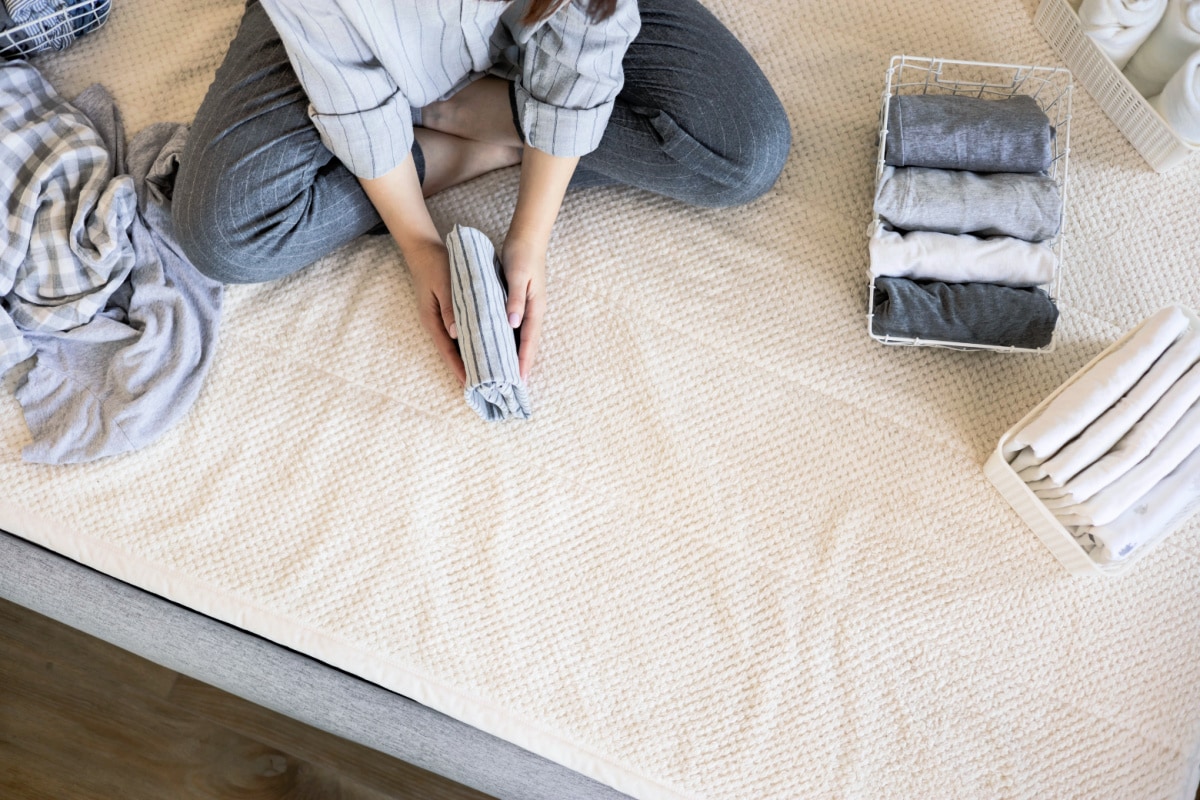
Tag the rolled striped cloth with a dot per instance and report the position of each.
(485, 339)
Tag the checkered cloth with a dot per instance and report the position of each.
(489, 351)
(65, 246)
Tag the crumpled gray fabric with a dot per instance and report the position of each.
(960, 132)
(485, 339)
(117, 382)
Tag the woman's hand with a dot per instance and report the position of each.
(429, 264)
(525, 271)
(544, 180)
(398, 199)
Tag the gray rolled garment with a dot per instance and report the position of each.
(485, 339)
(970, 133)
(968, 313)
(1019, 205)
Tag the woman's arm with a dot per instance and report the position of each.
(397, 197)
(544, 180)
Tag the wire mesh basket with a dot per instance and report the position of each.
(1049, 86)
(1150, 134)
(36, 26)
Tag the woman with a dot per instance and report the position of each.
(329, 118)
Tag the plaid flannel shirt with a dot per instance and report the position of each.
(65, 246)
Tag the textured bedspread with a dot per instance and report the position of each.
(741, 550)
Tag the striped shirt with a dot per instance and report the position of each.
(366, 64)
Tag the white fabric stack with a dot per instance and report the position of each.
(1120, 27)
(1174, 39)
(1179, 102)
(1113, 445)
(1156, 43)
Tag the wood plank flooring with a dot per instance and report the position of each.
(81, 719)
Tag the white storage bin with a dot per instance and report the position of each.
(1049, 86)
(1145, 128)
(1031, 509)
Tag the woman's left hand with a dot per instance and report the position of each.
(525, 271)
(544, 179)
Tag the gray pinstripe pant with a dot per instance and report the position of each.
(259, 196)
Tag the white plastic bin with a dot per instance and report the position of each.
(1035, 514)
(1144, 127)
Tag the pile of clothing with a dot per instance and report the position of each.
(1115, 456)
(33, 26)
(966, 213)
(1156, 44)
(119, 327)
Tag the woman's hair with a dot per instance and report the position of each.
(596, 9)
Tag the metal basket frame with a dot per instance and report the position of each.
(1051, 87)
(54, 31)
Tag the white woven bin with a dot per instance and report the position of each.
(1034, 513)
(1049, 86)
(1133, 115)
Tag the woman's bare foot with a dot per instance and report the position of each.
(451, 160)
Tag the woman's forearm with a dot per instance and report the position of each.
(544, 180)
(397, 197)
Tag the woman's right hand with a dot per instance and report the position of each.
(429, 264)
(397, 197)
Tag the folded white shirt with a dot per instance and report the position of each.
(1157, 513)
(960, 258)
(1179, 102)
(1099, 437)
(1175, 38)
(1143, 438)
(1119, 27)
(485, 339)
(1114, 499)
(1087, 398)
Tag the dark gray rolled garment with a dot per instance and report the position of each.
(1012, 204)
(968, 313)
(958, 132)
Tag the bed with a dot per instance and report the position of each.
(741, 550)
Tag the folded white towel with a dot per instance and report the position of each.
(1099, 437)
(960, 258)
(1119, 27)
(1179, 102)
(1169, 45)
(1141, 441)
(1117, 497)
(1157, 513)
(1085, 400)
(485, 339)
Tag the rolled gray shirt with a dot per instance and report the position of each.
(1024, 206)
(365, 64)
(966, 132)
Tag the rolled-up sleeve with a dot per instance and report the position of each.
(570, 74)
(359, 111)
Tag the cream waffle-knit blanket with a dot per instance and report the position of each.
(769, 567)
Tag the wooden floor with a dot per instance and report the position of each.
(83, 720)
